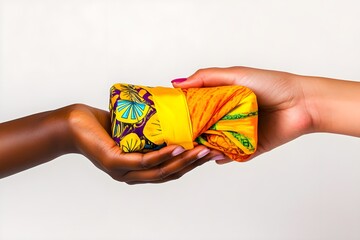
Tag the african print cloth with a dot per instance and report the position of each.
(148, 118)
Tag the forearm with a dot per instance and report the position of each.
(31, 141)
(333, 104)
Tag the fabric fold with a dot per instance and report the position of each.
(148, 118)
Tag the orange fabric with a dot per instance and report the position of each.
(223, 118)
(208, 105)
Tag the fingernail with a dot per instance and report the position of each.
(178, 80)
(218, 157)
(177, 151)
(203, 153)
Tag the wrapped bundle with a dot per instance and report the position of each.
(149, 118)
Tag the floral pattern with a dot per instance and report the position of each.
(222, 118)
(135, 126)
(131, 112)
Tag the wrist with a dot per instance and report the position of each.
(32, 140)
(311, 86)
(60, 119)
(333, 105)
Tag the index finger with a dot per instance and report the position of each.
(209, 77)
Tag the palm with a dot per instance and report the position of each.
(277, 127)
(282, 112)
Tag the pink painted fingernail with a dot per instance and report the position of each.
(203, 153)
(177, 151)
(178, 80)
(218, 157)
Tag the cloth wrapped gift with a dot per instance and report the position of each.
(148, 118)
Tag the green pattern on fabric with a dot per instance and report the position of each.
(200, 140)
(239, 116)
(234, 117)
(243, 140)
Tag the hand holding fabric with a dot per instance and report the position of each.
(283, 113)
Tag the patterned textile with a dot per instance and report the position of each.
(149, 118)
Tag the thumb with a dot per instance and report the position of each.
(209, 77)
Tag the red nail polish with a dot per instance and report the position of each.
(178, 80)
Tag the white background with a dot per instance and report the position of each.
(54, 53)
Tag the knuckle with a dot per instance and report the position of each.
(199, 72)
(162, 173)
(144, 162)
(75, 114)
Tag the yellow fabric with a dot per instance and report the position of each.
(167, 100)
(223, 118)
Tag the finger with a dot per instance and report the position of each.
(209, 77)
(228, 160)
(120, 161)
(211, 156)
(223, 161)
(167, 168)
